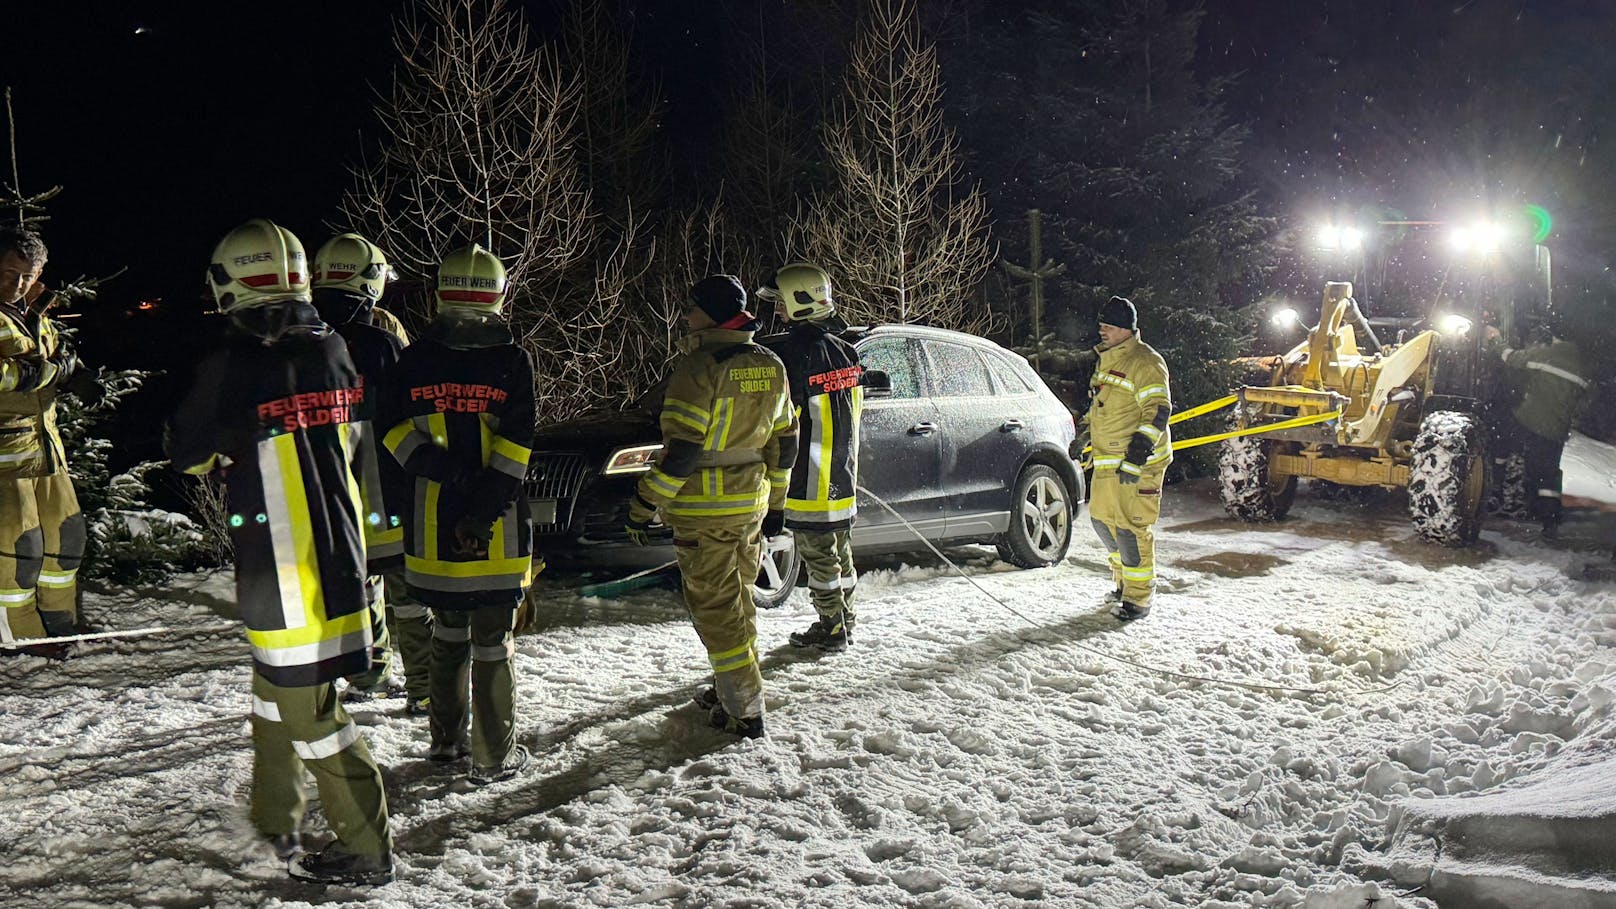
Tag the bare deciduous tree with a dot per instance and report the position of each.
(905, 241)
(480, 144)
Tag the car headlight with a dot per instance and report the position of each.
(633, 459)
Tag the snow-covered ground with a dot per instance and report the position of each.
(1444, 739)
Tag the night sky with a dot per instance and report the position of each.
(167, 127)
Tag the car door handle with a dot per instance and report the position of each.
(1012, 426)
(922, 429)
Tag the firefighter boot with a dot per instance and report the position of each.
(829, 633)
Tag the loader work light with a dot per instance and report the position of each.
(1285, 318)
(1453, 324)
(1339, 239)
(1481, 238)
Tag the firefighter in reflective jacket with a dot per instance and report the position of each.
(729, 439)
(1554, 381)
(1127, 420)
(280, 410)
(350, 275)
(42, 532)
(823, 373)
(461, 410)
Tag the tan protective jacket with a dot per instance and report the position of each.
(728, 429)
(30, 444)
(1130, 394)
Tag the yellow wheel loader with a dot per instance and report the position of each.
(1410, 415)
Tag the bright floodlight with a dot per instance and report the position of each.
(1285, 318)
(1342, 239)
(1480, 239)
(1454, 324)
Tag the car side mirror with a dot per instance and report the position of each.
(877, 384)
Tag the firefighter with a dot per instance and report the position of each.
(1553, 380)
(1128, 410)
(42, 532)
(729, 439)
(390, 323)
(277, 409)
(350, 275)
(460, 410)
(822, 372)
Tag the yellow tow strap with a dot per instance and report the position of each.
(1223, 402)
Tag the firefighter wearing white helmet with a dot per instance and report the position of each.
(350, 276)
(460, 414)
(279, 409)
(823, 373)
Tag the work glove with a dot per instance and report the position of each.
(774, 523)
(67, 363)
(1140, 448)
(471, 537)
(638, 525)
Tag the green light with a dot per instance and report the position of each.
(236, 520)
(1544, 221)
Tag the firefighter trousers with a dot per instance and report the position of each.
(305, 726)
(1124, 517)
(401, 631)
(718, 565)
(473, 682)
(828, 557)
(42, 536)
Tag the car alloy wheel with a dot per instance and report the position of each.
(1040, 520)
(778, 568)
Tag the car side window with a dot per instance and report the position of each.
(960, 370)
(896, 358)
(1010, 381)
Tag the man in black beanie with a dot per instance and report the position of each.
(729, 439)
(1129, 406)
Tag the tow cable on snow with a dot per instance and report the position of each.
(1228, 683)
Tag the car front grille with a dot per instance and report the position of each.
(558, 476)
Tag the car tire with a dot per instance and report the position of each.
(1041, 513)
(779, 567)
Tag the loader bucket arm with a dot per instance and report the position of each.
(1409, 360)
(1321, 344)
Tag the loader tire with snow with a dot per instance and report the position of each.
(1446, 479)
(1246, 485)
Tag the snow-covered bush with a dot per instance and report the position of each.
(129, 540)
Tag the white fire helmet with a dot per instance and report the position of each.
(259, 262)
(350, 263)
(801, 292)
(471, 278)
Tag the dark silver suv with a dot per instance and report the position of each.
(960, 438)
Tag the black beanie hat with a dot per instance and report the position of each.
(721, 297)
(1119, 311)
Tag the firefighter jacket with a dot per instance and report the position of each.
(283, 421)
(729, 435)
(31, 348)
(1554, 382)
(382, 482)
(822, 372)
(460, 414)
(1129, 394)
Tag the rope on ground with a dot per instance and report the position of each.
(1183, 676)
(135, 632)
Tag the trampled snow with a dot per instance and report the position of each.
(1435, 729)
